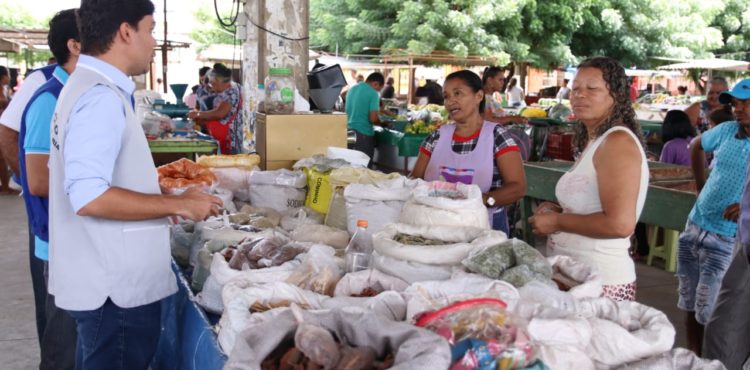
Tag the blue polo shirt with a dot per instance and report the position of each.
(724, 186)
(36, 140)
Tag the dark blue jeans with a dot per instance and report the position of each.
(500, 221)
(58, 347)
(36, 266)
(115, 338)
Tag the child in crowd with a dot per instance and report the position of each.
(676, 134)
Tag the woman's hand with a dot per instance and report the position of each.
(194, 115)
(545, 223)
(547, 207)
(732, 213)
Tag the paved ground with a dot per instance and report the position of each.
(18, 343)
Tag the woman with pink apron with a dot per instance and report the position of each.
(473, 151)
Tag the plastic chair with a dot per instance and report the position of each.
(667, 251)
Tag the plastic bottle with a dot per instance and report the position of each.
(359, 250)
(260, 98)
(279, 90)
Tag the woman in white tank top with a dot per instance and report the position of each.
(602, 196)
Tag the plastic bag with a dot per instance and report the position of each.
(235, 179)
(483, 335)
(336, 216)
(414, 348)
(577, 278)
(280, 189)
(350, 175)
(676, 359)
(294, 218)
(246, 161)
(321, 163)
(380, 204)
(513, 261)
(411, 272)
(202, 268)
(460, 242)
(255, 215)
(282, 177)
(432, 295)
(446, 204)
(321, 234)
(319, 271)
(320, 191)
(226, 197)
(180, 239)
(354, 283)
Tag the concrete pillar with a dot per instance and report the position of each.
(263, 50)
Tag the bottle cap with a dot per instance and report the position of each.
(280, 71)
(361, 223)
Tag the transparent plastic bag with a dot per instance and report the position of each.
(319, 271)
(482, 333)
(295, 218)
(322, 234)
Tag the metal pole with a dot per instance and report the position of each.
(164, 52)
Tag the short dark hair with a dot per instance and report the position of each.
(203, 70)
(376, 77)
(490, 72)
(721, 114)
(62, 27)
(221, 71)
(4, 72)
(99, 20)
(390, 81)
(470, 79)
(676, 126)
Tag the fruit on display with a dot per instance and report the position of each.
(532, 112)
(421, 127)
(560, 112)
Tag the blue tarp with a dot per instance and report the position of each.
(187, 341)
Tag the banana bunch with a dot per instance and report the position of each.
(420, 127)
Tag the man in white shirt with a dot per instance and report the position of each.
(109, 255)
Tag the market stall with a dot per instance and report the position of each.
(291, 261)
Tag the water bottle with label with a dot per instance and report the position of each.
(359, 250)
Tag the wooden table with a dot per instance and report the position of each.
(664, 207)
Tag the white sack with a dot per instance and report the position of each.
(463, 240)
(356, 282)
(411, 272)
(235, 179)
(432, 295)
(588, 278)
(430, 206)
(321, 234)
(676, 359)
(293, 218)
(380, 204)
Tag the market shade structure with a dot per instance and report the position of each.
(711, 64)
(14, 39)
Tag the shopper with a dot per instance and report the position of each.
(388, 92)
(224, 122)
(473, 151)
(515, 94)
(705, 249)
(727, 330)
(699, 111)
(204, 95)
(4, 100)
(493, 82)
(720, 115)
(676, 133)
(59, 337)
(362, 108)
(109, 256)
(602, 196)
(564, 92)
(10, 125)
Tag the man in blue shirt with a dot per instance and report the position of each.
(705, 247)
(109, 258)
(727, 331)
(362, 108)
(59, 335)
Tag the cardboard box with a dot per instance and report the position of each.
(291, 137)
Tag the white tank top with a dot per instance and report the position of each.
(578, 193)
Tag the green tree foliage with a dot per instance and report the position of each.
(542, 33)
(208, 31)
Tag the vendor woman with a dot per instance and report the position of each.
(472, 150)
(493, 82)
(224, 122)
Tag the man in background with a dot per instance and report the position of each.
(362, 108)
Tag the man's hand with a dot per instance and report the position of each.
(547, 207)
(732, 213)
(197, 205)
(545, 223)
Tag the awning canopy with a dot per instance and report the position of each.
(712, 64)
(14, 39)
